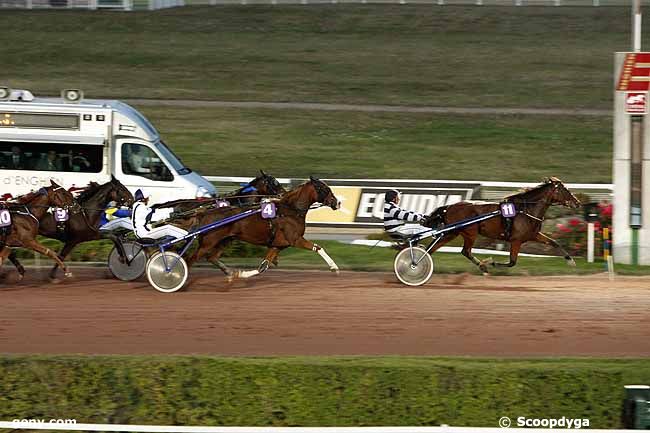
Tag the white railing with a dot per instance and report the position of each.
(126, 5)
(160, 4)
(489, 189)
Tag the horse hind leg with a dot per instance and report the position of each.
(468, 243)
(13, 259)
(4, 253)
(34, 245)
(515, 246)
(215, 257)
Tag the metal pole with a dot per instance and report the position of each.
(636, 183)
(636, 25)
(590, 242)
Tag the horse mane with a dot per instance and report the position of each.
(529, 191)
(26, 198)
(289, 195)
(89, 191)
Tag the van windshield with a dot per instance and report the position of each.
(172, 158)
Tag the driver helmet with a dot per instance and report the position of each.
(391, 195)
(140, 195)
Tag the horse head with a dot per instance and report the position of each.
(120, 194)
(560, 194)
(266, 184)
(58, 196)
(323, 194)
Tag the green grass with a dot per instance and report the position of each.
(314, 391)
(389, 54)
(362, 258)
(300, 143)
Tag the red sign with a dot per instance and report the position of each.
(636, 102)
(635, 74)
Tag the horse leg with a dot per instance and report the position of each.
(119, 246)
(34, 245)
(214, 259)
(202, 250)
(308, 245)
(515, 246)
(19, 267)
(468, 243)
(4, 253)
(541, 237)
(63, 254)
(271, 257)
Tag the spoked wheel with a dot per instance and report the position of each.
(167, 272)
(413, 274)
(132, 266)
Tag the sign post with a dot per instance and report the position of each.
(630, 147)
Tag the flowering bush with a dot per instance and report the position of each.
(571, 232)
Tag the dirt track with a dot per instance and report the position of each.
(308, 313)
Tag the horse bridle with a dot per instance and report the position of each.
(546, 201)
(322, 191)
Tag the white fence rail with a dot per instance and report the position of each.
(128, 5)
(489, 190)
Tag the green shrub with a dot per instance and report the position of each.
(313, 391)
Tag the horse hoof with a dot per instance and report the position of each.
(571, 262)
(68, 274)
(335, 270)
(232, 277)
(486, 274)
(20, 278)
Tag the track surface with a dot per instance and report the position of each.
(317, 313)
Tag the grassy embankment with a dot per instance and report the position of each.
(378, 54)
(314, 391)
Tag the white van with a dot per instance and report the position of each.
(75, 141)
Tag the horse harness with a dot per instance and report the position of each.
(508, 222)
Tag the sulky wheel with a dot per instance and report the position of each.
(409, 273)
(132, 267)
(169, 278)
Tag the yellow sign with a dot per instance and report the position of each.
(349, 198)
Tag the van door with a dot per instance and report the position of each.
(139, 165)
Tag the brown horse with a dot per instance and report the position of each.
(531, 206)
(26, 212)
(85, 218)
(285, 230)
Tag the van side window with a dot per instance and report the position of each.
(139, 160)
(83, 158)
